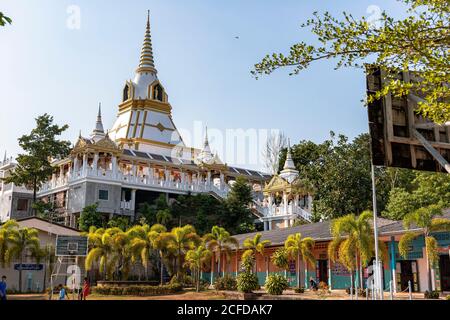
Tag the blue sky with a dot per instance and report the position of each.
(47, 67)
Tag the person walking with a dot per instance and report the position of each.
(3, 287)
(86, 289)
(62, 293)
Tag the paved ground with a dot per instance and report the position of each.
(213, 295)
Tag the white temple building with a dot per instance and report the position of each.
(287, 198)
(143, 155)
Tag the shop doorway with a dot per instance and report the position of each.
(444, 268)
(407, 274)
(322, 270)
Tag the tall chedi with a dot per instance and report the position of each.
(144, 122)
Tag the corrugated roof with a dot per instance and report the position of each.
(320, 231)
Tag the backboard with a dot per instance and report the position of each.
(75, 246)
(400, 137)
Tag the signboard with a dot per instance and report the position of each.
(75, 246)
(399, 136)
(28, 267)
(339, 270)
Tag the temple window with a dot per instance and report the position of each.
(103, 195)
(126, 93)
(158, 92)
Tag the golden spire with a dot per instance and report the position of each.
(146, 63)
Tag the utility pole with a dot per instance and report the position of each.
(377, 272)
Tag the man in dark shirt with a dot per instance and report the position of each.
(3, 289)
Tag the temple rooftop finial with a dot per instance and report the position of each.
(98, 131)
(146, 63)
(289, 164)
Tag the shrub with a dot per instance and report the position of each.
(184, 280)
(299, 290)
(227, 282)
(138, 290)
(247, 282)
(276, 284)
(447, 297)
(432, 294)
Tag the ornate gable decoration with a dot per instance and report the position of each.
(107, 143)
(103, 145)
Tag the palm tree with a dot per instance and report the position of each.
(219, 241)
(196, 259)
(280, 259)
(5, 231)
(353, 240)
(21, 242)
(155, 237)
(428, 220)
(299, 248)
(101, 251)
(141, 245)
(47, 254)
(163, 216)
(257, 246)
(121, 258)
(181, 239)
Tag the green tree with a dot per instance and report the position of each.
(400, 203)
(418, 42)
(181, 240)
(163, 216)
(196, 259)
(40, 146)
(122, 223)
(43, 210)
(280, 259)
(160, 242)
(257, 245)
(426, 189)
(299, 248)
(148, 212)
(4, 20)
(22, 242)
(237, 203)
(90, 217)
(5, 232)
(429, 220)
(121, 258)
(353, 242)
(219, 241)
(143, 242)
(101, 250)
(47, 255)
(338, 191)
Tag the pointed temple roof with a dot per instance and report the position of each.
(289, 172)
(146, 63)
(206, 155)
(98, 132)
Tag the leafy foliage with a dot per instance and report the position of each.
(40, 146)
(227, 282)
(122, 223)
(256, 245)
(425, 189)
(220, 241)
(276, 284)
(138, 290)
(280, 258)
(238, 214)
(247, 282)
(418, 42)
(4, 20)
(90, 217)
(196, 259)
